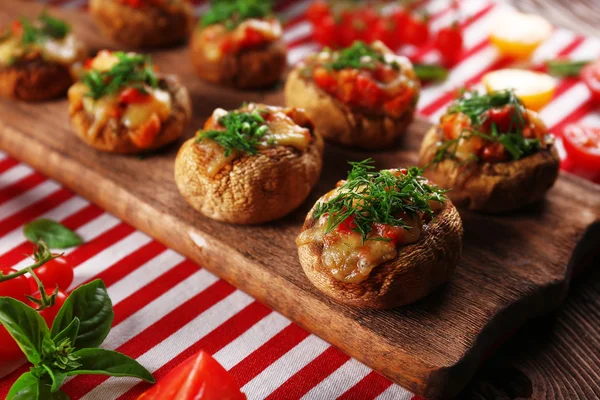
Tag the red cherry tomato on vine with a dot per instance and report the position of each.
(50, 313)
(386, 30)
(582, 144)
(449, 42)
(56, 272)
(16, 287)
(416, 31)
(9, 350)
(401, 19)
(324, 32)
(317, 11)
(591, 77)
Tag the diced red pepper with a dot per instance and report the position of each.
(347, 226)
(399, 104)
(88, 63)
(324, 79)
(369, 92)
(16, 28)
(133, 96)
(252, 38)
(494, 152)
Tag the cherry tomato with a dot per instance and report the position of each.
(449, 42)
(133, 95)
(352, 28)
(50, 313)
(591, 77)
(401, 19)
(251, 38)
(416, 31)
(200, 377)
(317, 11)
(16, 287)
(56, 272)
(9, 350)
(582, 144)
(324, 33)
(385, 30)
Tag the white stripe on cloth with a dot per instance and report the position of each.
(28, 198)
(339, 381)
(14, 174)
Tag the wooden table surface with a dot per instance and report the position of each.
(556, 357)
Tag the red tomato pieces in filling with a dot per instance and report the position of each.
(347, 226)
(133, 96)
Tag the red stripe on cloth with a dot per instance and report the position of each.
(211, 343)
(268, 353)
(311, 375)
(156, 333)
(7, 163)
(96, 245)
(580, 112)
(35, 210)
(368, 387)
(21, 186)
(73, 222)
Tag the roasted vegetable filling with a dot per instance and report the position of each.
(369, 77)
(45, 37)
(367, 219)
(122, 87)
(229, 135)
(233, 25)
(493, 127)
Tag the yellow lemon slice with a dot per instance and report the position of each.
(535, 89)
(518, 35)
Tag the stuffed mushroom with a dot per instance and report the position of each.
(239, 44)
(251, 165)
(363, 96)
(144, 23)
(380, 239)
(493, 153)
(39, 59)
(123, 105)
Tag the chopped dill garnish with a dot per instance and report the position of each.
(42, 28)
(132, 70)
(234, 12)
(475, 106)
(379, 197)
(358, 56)
(244, 131)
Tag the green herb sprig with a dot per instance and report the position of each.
(430, 72)
(132, 70)
(566, 68)
(358, 56)
(43, 28)
(243, 132)
(379, 197)
(475, 105)
(233, 12)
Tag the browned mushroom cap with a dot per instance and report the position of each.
(252, 68)
(35, 80)
(417, 270)
(253, 188)
(116, 138)
(153, 25)
(492, 187)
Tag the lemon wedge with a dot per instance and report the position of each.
(518, 35)
(535, 89)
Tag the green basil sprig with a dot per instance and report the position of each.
(55, 234)
(70, 347)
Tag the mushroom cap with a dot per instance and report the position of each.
(149, 26)
(253, 68)
(418, 269)
(492, 187)
(340, 123)
(115, 137)
(253, 188)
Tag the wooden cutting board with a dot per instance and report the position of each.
(514, 266)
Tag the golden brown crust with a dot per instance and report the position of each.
(252, 189)
(418, 269)
(115, 138)
(339, 123)
(35, 80)
(253, 68)
(147, 26)
(492, 187)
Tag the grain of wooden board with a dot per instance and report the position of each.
(514, 266)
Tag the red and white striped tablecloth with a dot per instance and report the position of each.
(167, 307)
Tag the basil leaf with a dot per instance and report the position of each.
(25, 325)
(28, 387)
(91, 304)
(69, 332)
(56, 235)
(108, 362)
(57, 377)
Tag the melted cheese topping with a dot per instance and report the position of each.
(63, 51)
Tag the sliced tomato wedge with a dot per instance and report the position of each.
(582, 144)
(591, 77)
(200, 377)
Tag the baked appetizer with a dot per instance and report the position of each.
(238, 44)
(39, 59)
(144, 23)
(493, 153)
(380, 239)
(363, 96)
(123, 105)
(251, 165)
